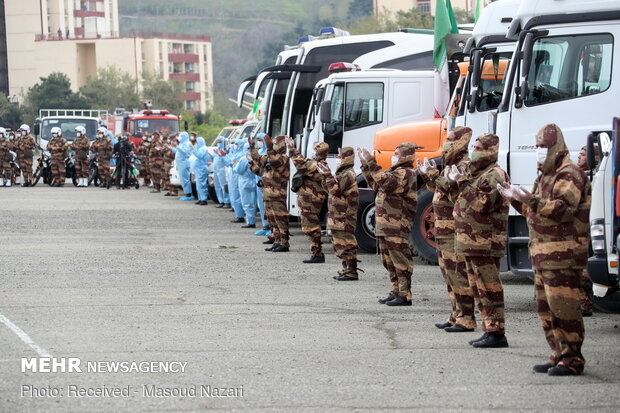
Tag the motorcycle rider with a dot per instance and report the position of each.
(14, 141)
(58, 148)
(5, 157)
(27, 146)
(81, 145)
(103, 148)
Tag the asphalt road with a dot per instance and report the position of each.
(112, 276)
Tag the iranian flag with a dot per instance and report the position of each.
(445, 23)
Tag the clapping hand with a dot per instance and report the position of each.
(454, 174)
(251, 141)
(507, 191)
(289, 142)
(220, 152)
(323, 168)
(364, 154)
(522, 194)
(427, 166)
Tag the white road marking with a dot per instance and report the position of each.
(24, 337)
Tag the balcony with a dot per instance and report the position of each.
(88, 13)
(189, 95)
(182, 58)
(187, 77)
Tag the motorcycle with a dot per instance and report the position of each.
(125, 173)
(93, 169)
(14, 167)
(44, 168)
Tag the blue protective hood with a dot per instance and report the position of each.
(183, 137)
(200, 142)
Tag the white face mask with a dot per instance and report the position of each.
(395, 160)
(54, 135)
(78, 134)
(541, 155)
(259, 144)
(18, 134)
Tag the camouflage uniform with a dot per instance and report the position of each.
(156, 162)
(5, 167)
(168, 157)
(480, 219)
(586, 282)
(80, 146)
(275, 180)
(311, 195)
(143, 148)
(395, 206)
(58, 148)
(342, 212)
(27, 146)
(453, 267)
(103, 148)
(558, 222)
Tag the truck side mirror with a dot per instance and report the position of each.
(593, 139)
(37, 129)
(526, 62)
(185, 126)
(325, 112)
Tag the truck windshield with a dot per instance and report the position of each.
(68, 125)
(568, 67)
(170, 126)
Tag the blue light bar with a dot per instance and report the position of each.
(333, 31)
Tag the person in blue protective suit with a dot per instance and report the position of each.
(181, 158)
(219, 173)
(114, 142)
(247, 185)
(262, 150)
(201, 160)
(231, 160)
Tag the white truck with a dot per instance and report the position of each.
(67, 120)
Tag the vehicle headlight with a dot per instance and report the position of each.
(597, 233)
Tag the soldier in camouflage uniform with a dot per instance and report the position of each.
(103, 148)
(58, 149)
(170, 144)
(480, 220)
(452, 267)
(81, 145)
(156, 162)
(311, 196)
(586, 282)
(5, 167)
(342, 211)
(143, 148)
(395, 206)
(558, 221)
(27, 145)
(275, 180)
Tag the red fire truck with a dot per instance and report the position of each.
(149, 120)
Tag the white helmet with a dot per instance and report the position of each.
(56, 130)
(81, 129)
(2, 132)
(25, 128)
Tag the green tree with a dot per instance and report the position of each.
(462, 16)
(10, 114)
(414, 19)
(359, 9)
(110, 89)
(52, 92)
(163, 94)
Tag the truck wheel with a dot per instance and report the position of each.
(423, 231)
(365, 229)
(608, 304)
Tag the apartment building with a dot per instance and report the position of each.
(76, 37)
(425, 6)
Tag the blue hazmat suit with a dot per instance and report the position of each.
(247, 185)
(235, 154)
(219, 173)
(114, 142)
(201, 160)
(181, 158)
(259, 191)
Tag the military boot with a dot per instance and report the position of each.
(350, 274)
(317, 255)
(493, 340)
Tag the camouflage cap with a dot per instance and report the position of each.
(321, 150)
(347, 157)
(407, 153)
(552, 138)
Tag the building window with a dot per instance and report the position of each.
(424, 6)
(190, 104)
(189, 67)
(189, 86)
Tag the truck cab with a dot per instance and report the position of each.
(149, 121)
(67, 120)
